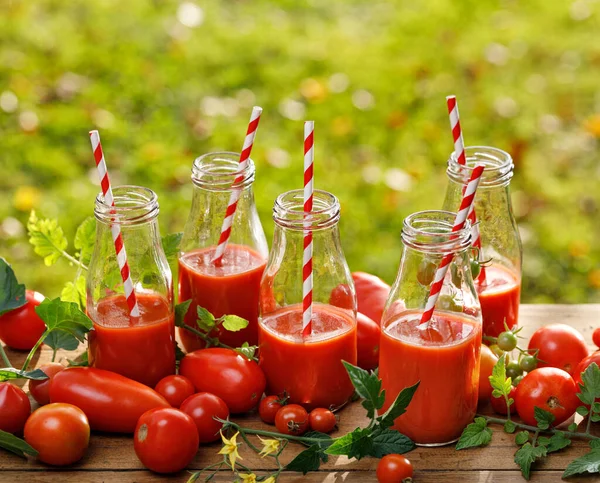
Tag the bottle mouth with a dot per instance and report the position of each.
(222, 171)
(498, 166)
(134, 205)
(288, 211)
(431, 232)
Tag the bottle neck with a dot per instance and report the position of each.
(222, 171)
(498, 167)
(133, 206)
(430, 232)
(288, 211)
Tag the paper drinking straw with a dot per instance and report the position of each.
(307, 273)
(459, 150)
(459, 223)
(236, 192)
(115, 228)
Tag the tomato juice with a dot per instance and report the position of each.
(229, 289)
(499, 297)
(310, 370)
(445, 359)
(142, 349)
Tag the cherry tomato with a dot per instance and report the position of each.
(513, 369)
(202, 408)
(499, 403)
(367, 338)
(371, 294)
(550, 389)
(528, 363)
(322, 420)
(507, 341)
(175, 389)
(596, 337)
(227, 374)
(165, 440)
(487, 362)
(21, 328)
(292, 419)
(475, 268)
(112, 402)
(559, 346)
(268, 407)
(40, 390)
(394, 468)
(15, 408)
(59, 432)
(583, 365)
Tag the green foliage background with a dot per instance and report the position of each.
(166, 81)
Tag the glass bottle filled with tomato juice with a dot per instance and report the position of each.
(141, 348)
(231, 287)
(308, 368)
(442, 356)
(499, 282)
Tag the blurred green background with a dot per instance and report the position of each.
(165, 81)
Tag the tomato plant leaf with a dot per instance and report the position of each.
(325, 442)
(67, 319)
(522, 437)
(501, 384)
(206, 321)
(527, 455)
(85, 237)
(247, 350)
(595, 443)
(179, 354)
(12, 293)
(180, 310)
(307, 460)
(75, 292)
(170, 245)
(367, 386)
(582, 411)
(544, 418)
(572, 427)
(8, 373)
(557, 442)
(398, 407)
(388, 441)
(47, 238)
(16, 445)
(233, 323)
(509, 427)
(80, 361)
(475, 434)
(588, 463)
(357, 444)
(589, 390)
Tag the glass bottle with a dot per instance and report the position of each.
(141, 348)
(499, 282)
(231, 288)
(444, 354)
(309, 369)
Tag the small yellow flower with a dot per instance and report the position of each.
(269, 446)
(247, 477)
(270, 479)
(230, 447)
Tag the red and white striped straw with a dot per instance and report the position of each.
(236, 192)
(307, 272)
(459, 223)
(115, 228)
(461, 158)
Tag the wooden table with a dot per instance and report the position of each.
(112, 459)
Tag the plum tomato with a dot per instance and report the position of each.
(368, 335)
(59, 432)
(322, 420)
(268, 407)
(165, 440)
(550, 389)
(583, 365)
(40, 390)
(15, 408)
(292, 419)
(559, 345)
(394, 468)
(175, 389)
(234, 378)
(21, 328)
(371, 295)
(596, 337)
(499, 403)
(202, 408)
(487, 362)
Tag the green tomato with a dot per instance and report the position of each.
(517, 380)
(507, 341)
(513, 370)
(528, 363)
(475, 268)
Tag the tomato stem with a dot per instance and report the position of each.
(35, 348)
(272, 434)
(211, 340)
(4, 356)
(572, 434)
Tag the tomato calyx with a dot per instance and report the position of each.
(554, 403)
(294, 427)
(142, 433)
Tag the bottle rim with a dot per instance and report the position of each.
(430, 231)
(221, 171)
(498, 164)
(288, 211)
(133, 205)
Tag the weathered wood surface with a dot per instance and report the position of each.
(112, 459)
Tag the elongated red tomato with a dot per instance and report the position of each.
(111, 402)
(371, 294)
(367, 337)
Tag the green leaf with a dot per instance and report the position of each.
(357, 444)
(557, 442)
(179, 354)
(16, 445)
(475, 434)
(75, 292)
(588, 463)
(85, 237)
(247, 350)
(595, 444)
(170, 245)
(57, 339)
(595, 417)
(509, 427)
(390, 441)
(47, 238)
(307, 460)
(65, 318)
(233, 323)
(572, 427)
(582, 410)
(12, 294)
(181, 310)
(398, 407)
(367, 386)
(544, 418)
(325, 442)
(81, 361)
(590, 387)
(527, 455)
(9, 373)
(206, 321)
(522, 437)
(501, 384)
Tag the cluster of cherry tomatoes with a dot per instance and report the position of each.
(294, 419)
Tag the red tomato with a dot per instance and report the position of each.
(59, 432)
(559, 346)
(227, 374)
(394, 468)
(487, 361)
(343, 297)
(322, 420)
(371, 295)
(165, 440)
(40, 390)
(292, 419)
(202, 408)
(550, 389)
(21, 328)
(596, 337)
(582, 366)
(268, 407)
(15, 408)
(368, 334)
(112, 403)
(175, 389)
(499, 403)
